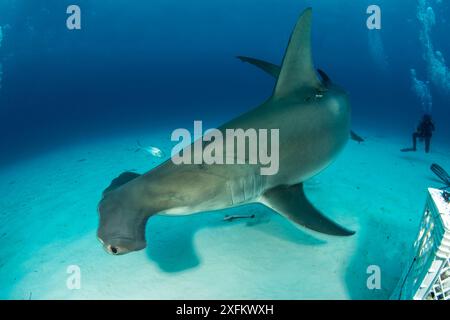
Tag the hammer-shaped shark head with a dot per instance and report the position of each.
(122, 226)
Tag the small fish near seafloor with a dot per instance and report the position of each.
(236, 217)
(154, 151)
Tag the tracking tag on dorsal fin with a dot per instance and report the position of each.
(297, 70)
(121, 180)
(292, 203)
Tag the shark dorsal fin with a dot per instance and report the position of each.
(297, 70)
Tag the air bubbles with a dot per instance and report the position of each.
(437, 69)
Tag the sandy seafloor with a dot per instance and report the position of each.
(48, 222)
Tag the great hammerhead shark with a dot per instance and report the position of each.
(312, 115)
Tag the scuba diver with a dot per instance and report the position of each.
(424, 132)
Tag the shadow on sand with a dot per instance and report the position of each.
(171, 239)
(383, 244)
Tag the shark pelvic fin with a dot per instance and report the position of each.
(292, 203)
(297, 70)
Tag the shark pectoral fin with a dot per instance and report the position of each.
(267, 67)
(292, 203)
(121, 180)
(297, 70)
(275, 70)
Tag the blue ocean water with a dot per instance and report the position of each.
(149, 66)
(146, 64)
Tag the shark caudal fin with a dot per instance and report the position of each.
(297, 70)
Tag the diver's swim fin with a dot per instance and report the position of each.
(292, 203)
(441, 173)
(408, 150)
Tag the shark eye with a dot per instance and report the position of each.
(114, 250)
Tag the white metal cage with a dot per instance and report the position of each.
(427, 275)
